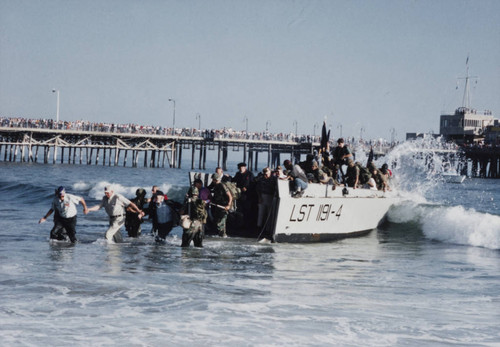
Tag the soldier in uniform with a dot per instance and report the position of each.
(195, 208)
(221, 203)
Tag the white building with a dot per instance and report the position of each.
(466, 125)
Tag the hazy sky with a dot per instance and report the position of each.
(375, 65)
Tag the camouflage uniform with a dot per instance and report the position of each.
(219, 214)
(198, 215)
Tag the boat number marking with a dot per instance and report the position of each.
(324, 211)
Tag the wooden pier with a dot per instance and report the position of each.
(485, 161)
(114, 149)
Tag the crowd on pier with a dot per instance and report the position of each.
(131, 128)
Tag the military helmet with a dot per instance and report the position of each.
(193, 191)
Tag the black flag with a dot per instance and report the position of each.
(370, 157)
(325, 137)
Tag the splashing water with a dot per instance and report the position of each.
(418, 165)
(440, 209)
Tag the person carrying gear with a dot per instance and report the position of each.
(222, 201)
(195, 208)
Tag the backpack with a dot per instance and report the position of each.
(233, 190)
(199, 210)
(364, 173)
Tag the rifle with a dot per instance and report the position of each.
(221, 207)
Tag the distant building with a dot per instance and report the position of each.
(466, 125)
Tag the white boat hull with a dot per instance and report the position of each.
(322, 214)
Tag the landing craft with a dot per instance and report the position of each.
(320, 214)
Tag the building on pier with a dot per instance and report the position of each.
(466, 125)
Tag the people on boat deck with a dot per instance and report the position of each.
(297, 176)
(266, 189)
(194, 206)
(279, 173)
(364, 174)
(115, 205)
(222, 201)
(307, 164)
(352, 174)
(162, 216)
(318, 175)
(385, 167)
(132, 222)
(341, 153)
(379, 178)
(65, 217)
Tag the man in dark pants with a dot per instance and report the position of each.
(132, 222)
(341, 154)
(244, 180)
(65, 207)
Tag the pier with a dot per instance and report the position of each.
(128, 149)
(484, 161)
(41, 145)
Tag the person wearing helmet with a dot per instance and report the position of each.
(65, 206)
(222, 200)
(195, 208)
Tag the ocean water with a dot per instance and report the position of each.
(427, 276)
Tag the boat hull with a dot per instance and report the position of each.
(325, 215)
(314, 237)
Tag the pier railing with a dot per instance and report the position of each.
(116, 148)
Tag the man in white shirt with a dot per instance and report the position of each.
(65, 218)
(115, 205)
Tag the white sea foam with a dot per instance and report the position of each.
(459, 225)
(81, 186)
(97, 190)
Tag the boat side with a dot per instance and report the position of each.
(323, 214)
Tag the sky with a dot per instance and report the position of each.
(373, 68)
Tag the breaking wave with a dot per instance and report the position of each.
(439, 208)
